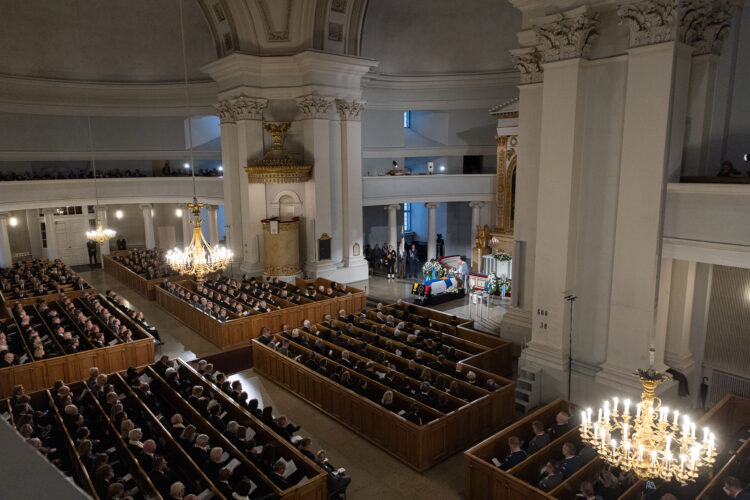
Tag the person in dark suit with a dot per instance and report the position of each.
(91, 247)
(277, 475)
(160, 476)
(305, 447)
(733, 489)
(561, 426)
(412, 258)
(214, 464)
(552, 476)
(516, 455)
(223, 483)
(571, 462)
(147, 458)
(540, 439)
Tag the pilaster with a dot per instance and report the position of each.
(431, 230)
(148, 226)
(350, 114)
(6, 257)
(51, 233)
(393, 225)
(213, 225)
(232, 181)
(315, 111)
(656, 87)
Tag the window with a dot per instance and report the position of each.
(44, 235)
(407, 217)
(407, 119)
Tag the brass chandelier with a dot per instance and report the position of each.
(100, 234)
(650, 442)
(198, 259)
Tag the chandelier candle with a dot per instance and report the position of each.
(665, 450)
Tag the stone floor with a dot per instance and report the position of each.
(375, 474)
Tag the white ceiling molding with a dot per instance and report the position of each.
(708, 252)
(407, 152)
(106, 155)
(386, 190)
(58, 97)
(438, 92)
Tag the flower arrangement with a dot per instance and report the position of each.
(452, 289)
(502, 256)
(435, 270)
(495, 284)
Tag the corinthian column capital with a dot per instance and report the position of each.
(224, 111)
(314, 106)
(568, 35)
(528, 61)
(350, 110)
(248, 108)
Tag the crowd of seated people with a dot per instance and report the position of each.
(65, 326)
(151, 264)
(240, 303)
(336, 478)
(36, 423)
(337, 365)
(37, 278)
(113, 173)
(216, 311)
(136, 316)
(215, 462)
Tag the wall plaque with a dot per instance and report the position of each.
(324, 247)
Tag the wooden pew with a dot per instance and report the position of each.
(238, 332)
(191, 415)
(420, 447)
(135, 281)
(80, 473)
(166, 445)
(313, 489)
(42, 374)
(126, 456)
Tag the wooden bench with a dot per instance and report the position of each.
(37, 375)
(133, 280)
(314, 488)
(238, 332)
(420, 447)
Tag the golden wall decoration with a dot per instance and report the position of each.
(506, 167)
(281, 249)
(277, 165)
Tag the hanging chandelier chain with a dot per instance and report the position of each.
(189, 102)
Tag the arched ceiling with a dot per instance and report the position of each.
(138, 41)
(440, 36)
(95, 40)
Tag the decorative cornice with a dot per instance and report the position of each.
(248, 108)
(350, 110)
(567, 36)
(314, 106)
(528, 60)
(702, 24)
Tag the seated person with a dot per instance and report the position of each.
(733, 488)
(540, 439)
(551, 477)
(587, 491)
(561, 426)
(571, 462)
(516, 455)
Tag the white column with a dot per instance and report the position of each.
(656, 87)
(249, 119)
(392, 224)
(6, 258)
(560, 150)
(317, 146)
(49, 225)
(233, 179)
(680, 312)
(516, 322)
(148, 225)
(101, 214)
(213, 225)
(350, 113)
(476, 209)
(187, 227)
(431, 230)
(699, 324)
